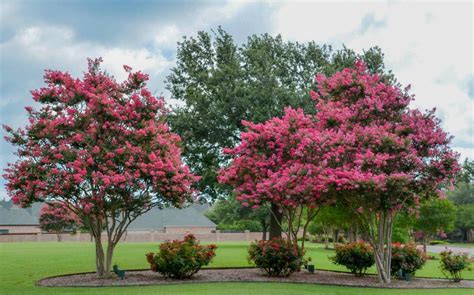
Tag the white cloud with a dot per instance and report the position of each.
(57, 48)
(427, 45)
(168, 36)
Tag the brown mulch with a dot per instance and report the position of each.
(141, 277)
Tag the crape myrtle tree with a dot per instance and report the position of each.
(103, 149)
(57, 218)
(282, 162)
(220, 83)
(387, 158)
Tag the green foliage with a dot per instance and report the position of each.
(357, 257)
(222, 83)
(229, 214)
(407, 258)
(463, 194)
(181, 259)
(402, 227)
(328, 218)
(277, 257)
(436, 215)
(465, 217)
(466, 175)
(463, 197)
(453, 264)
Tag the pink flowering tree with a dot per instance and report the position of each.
(385, 158)
(58, 218)
(281, 162)
(101, 148)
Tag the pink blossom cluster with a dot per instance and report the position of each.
(364, 146)
(56, 216)
(97, 144)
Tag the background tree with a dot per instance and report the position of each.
(466, 175)
(435, 216)
(101, 148)
(463, 197)
(220, 83)
(462, 194)
(385, 157)
(403, 224)
(57, 218)
(465, 222)
(329, 222)
(229, 214)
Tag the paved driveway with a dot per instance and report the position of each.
(440, 248)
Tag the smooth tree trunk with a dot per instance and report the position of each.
(264, 231)
(104, 255)
(352, 234)
(335, 238)
(276, 218)
(381, 240)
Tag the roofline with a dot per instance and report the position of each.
(189, 226)
(19, 225)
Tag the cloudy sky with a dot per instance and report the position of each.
(427, 44)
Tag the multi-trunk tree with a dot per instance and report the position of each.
(103, 149)
(281, 162)
(387, 158)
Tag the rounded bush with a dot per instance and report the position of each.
(453, 264)
(357, 257)
(277, 257)
(181, 259)
(407, 258)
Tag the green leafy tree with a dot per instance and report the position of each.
(220, 83)
(466, 174)
(329, 222)
(435, 216)
(403, 227)
(229, 214)
(463, 196)
(465, 221)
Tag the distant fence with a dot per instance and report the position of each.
(132, 236)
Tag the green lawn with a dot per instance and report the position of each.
(21, 264)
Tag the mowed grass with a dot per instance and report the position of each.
(22, 264)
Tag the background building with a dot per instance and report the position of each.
(169, 220)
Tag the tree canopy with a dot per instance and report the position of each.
(364, 149)
(101, 148)
(220, 84)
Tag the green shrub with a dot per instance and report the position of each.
(181, 259)
(453, 264)
(406, 258)
(277, 257)
(357, 257)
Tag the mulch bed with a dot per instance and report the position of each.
(146, 277)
